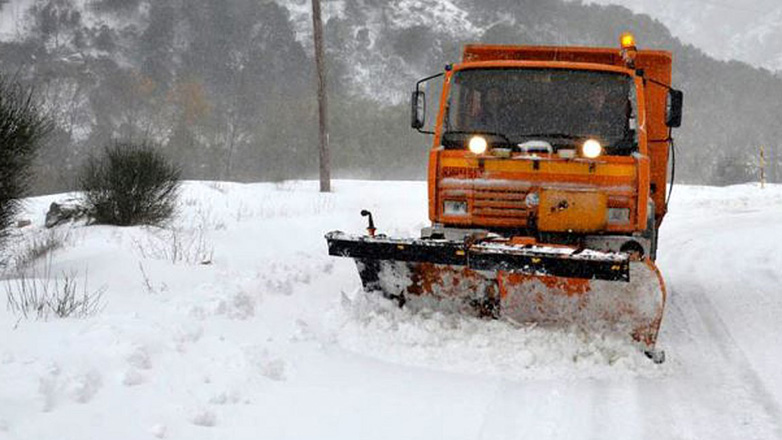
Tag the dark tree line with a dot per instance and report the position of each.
(227, 87)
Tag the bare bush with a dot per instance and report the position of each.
(38, 246)
(177, 246)
(33, 297)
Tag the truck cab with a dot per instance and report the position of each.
(559, 144)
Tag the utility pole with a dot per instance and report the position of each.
(325, 165)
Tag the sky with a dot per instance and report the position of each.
(744, 30)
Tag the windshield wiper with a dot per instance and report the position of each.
(487, 133)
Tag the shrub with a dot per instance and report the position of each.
(37, 246)
(130, 184)
(31, 297)
(23, 129)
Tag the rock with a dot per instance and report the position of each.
(23, 223)
(63, 211)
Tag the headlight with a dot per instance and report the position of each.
(478, 145)
(591, 149)
(455, 207)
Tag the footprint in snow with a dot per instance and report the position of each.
(204, 418)
(225, 398)
(240, 306)
(275, 369)
(267, 365)
(80, 388)
(186, 335)
(139, 358)
(133, 377)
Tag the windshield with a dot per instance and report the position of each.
(557, 105)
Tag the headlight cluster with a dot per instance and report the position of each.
(590, 149)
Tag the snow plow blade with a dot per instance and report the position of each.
(548, 285)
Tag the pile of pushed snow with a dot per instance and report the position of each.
(367, 324)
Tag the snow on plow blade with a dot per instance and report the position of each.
(599, 291)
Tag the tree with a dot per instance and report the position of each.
(23, 129)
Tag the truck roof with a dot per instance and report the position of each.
(656, 63)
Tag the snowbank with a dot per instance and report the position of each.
(234, 323)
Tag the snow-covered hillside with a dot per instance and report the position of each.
(234, 323)
(366, 22)
(16, 20)
(749, 30)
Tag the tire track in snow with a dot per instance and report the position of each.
(736, 398)
(735, 361)
(713, 391)
(565, 409)
(536, 410)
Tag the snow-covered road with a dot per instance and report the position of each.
(274, 339)
(724, 267)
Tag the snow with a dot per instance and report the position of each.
(15, 22)
(368, 65)
(234, 323)
(441, 15)
(301, 16)
(12, 16)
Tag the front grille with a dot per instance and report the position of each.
(499, 203)
(502, 201)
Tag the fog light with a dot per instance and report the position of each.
(532, 199)
(618, 215)
(455, 207)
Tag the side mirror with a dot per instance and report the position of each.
(418, 110)
(673, 110)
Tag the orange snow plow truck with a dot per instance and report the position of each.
(547, 186)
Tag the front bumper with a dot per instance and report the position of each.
(557, 261)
